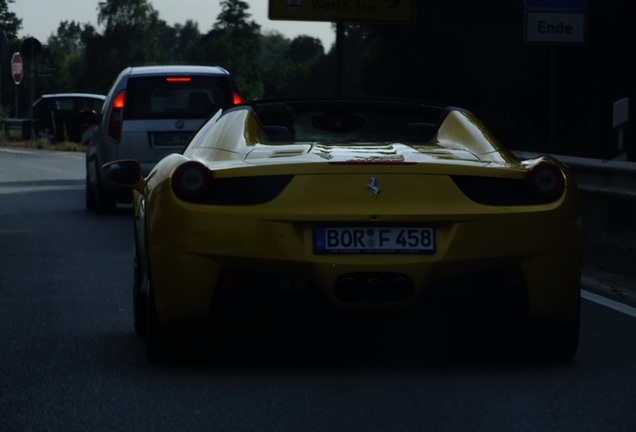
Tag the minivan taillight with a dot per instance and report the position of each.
(116, 117)
(237, 98)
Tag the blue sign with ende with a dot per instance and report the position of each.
(555, 4)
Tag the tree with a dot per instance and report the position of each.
(276, 69)
(233, 43)
(234, 17)
(125, 14)
(177, 43)
(68, 37)
(129, 38)
(64, 53)
(11, 25)
(305, 49)
(167, 38)
(188, 39)
(290, 68)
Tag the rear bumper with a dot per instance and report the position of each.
(475, 260)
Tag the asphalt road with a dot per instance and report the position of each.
(70, 361)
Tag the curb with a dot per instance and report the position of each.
(610, 285)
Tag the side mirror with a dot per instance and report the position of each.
(125, 173)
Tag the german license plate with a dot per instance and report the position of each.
(374, 240)
(179, 139)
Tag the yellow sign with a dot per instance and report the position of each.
(397, 11)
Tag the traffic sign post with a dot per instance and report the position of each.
(31, 49)
(559, 22)
(555, 27)
(555, 22)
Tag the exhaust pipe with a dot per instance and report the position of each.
(373, 288)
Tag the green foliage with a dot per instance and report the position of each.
(458, 52)
(234, 17)
(129, 39)
(11, 24)
(64, 55)
(233, 43)
(276, 70)
(305, 49)
(290, 68)
(118, 15)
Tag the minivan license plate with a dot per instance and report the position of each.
(374, 240)
(176, 139)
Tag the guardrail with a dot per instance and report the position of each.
(17, 129)
(611, 178)
(608, 189)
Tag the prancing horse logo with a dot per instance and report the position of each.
(374, 187)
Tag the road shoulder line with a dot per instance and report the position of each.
(612, 304)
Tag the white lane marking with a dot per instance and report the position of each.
(612, 304)
(8, 150)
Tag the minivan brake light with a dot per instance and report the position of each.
(178, 79)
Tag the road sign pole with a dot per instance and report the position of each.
(33, 66)
(31, 49)
(554, 107)
(555, 22)
(15, 93)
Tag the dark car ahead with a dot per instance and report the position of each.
(150, 112)
(57, 116)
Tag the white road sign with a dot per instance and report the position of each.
(555, 27)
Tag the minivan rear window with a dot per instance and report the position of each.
(176, 97)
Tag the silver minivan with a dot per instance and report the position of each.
(150, 112)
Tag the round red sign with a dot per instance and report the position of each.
(17, 68)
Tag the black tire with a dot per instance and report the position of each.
(550, 341)
(97, 198)
(105, 203)
(156, 339)
(564, 341)
(89, 196)
(140, 308)
(534, 340)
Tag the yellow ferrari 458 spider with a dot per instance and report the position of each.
(368, 205)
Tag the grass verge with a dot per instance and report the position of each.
(44, 144)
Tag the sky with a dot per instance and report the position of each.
(41, 18)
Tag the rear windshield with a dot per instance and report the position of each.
(69, 103)
(349, 121)
(176, 97)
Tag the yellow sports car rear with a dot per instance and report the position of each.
(370, 205)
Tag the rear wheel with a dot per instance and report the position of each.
(97, 198)
(104, 202)
(534, 340)
(89, 195)
(550, 341)
(155, 332)
(139, 297)
(563, 342)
